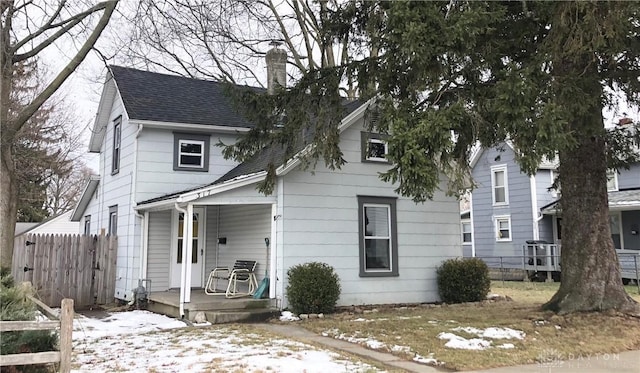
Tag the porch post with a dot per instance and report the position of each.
(145, 246)
(188, 246)
(183, 265)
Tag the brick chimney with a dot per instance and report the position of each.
(625, 120)
(276, 67)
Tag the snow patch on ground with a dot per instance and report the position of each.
(141, 341)
(288, 316)
(492, 332)
(374, 344)
(458, 342)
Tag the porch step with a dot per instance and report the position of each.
(241, 315)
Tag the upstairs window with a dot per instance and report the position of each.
(499, 185)
(191, 152)
(117, 137)
(612, 180)
(374, 147)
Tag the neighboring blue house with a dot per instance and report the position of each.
(161, 172)
(509, 208)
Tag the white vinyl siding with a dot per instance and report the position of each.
(319, 220)
(159, 250)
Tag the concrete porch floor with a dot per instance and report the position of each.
(217, 308)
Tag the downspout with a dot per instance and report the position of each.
(132, 201)
(473, 241)
(272, 253)
(184, 265)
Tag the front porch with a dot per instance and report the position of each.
(217, 308)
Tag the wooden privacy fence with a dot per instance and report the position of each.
(64, 322)
(82, 268)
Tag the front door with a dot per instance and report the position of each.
(197, 251)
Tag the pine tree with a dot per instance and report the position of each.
(536, 73)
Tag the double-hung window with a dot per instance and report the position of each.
(191, 152)
(113, 220)
(503, 228)
(374, 147)
(117, 137)
(87, 225)
(612, 180)
(499, 185)
(378, 236)
(466, 232)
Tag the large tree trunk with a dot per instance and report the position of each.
(8, 206)
(590, 268)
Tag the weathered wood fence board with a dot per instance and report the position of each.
(81, 268)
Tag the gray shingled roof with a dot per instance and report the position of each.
(256, 164)
(617, 199)
(624, 198)
(169, 98)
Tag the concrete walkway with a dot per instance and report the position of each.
(623, 362)
(304, 335)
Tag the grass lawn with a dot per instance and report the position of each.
(411, 331)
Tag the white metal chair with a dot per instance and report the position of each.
(243, 272)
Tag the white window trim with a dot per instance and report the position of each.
(377, 141)
(116, 149)
(496, 220)
(201, 154)
(554, 192)
(388, 237)
(113, 220)
(462, 223)
(495, 169)
(618, 215)
(615, 180)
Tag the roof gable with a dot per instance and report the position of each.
(254, 169)
(169, 98)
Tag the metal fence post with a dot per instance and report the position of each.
(501, 271)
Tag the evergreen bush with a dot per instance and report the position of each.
(313, 288)
(15, 306)
(463, 280)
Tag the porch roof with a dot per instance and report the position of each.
(618, 201)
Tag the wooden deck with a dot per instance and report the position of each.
(213, 306)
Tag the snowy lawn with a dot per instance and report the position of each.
(141, 341)
(480, 336)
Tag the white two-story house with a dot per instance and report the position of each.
(161, 171)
